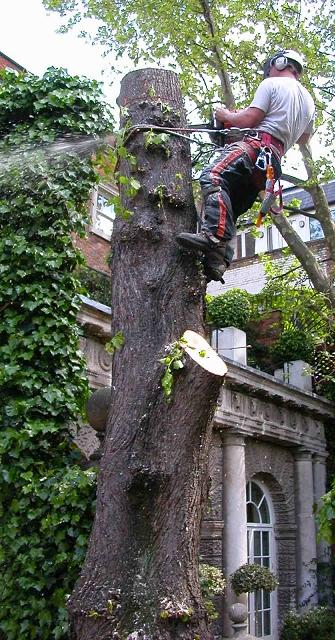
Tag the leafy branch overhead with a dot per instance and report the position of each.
(218, 50)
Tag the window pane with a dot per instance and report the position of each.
(252, 513)
(257, 493)
(238, 250)
(267, 623)
(257, 543)
(258, 600)
(264, 509)
(315, 229)
(266, 562)
(103, 224)
(269, 239)
(250, 245)
(259, 625)
(265, 536)
(104, 207)
(266, 599)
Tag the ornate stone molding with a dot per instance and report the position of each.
(261, 385)
(257, 405)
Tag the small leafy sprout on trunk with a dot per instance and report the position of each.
(154, 140)
(177, 611)
(172, 361)
(115, 343)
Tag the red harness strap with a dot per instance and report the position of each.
(270, 141)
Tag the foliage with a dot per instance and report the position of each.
(226, 34)
(253, 577)
(212, 583)
(293, 344)
(315, 624)
(223, 63)
(230, 309)
(47, 499)
(116, 342)
(325, 516)
(304, 313)
(324, 368)
(288, 289)
(172, 361)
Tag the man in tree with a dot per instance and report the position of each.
(280, 114)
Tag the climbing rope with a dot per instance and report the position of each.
(179, 132)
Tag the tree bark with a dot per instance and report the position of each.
(140, 578)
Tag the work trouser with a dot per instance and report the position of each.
(230, 187)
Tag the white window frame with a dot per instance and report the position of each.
(251, 529)
(107, 192)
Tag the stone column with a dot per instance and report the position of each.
(234, 515)
(322, 548)
(306, 531)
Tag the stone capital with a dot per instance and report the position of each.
(232, 439)
(302, 454)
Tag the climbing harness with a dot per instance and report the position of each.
(264, 163)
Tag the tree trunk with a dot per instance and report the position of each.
(140, 578)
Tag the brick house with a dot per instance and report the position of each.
(8, 63)
(246, 270)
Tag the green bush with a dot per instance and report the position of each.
(253, 577)
(230, 309)
(316, 624)
(46, 497)
(212, 583)
(293, 344)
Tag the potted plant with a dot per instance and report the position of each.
(253, 577)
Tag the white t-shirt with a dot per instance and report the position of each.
(289, 109)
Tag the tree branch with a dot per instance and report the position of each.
(304, 255)
(228, 97)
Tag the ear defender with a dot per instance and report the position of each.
(279, 63)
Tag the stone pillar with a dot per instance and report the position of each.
(323, 552)
(231, 343)
(298, 374)
(235, 518)
(306, 533)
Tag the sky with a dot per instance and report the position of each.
(28, 35)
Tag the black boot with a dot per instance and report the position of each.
(204, 242)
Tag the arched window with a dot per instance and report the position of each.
(261, 604)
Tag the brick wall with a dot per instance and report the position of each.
(248, 273)
(96, 251)
(8, 62)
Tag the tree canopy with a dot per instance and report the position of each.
(218, 49)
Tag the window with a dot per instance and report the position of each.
(245, 245)
(260, 551)
(315, 229)
(103, 213)
(250, 244)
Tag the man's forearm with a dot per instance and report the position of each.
(245, 118)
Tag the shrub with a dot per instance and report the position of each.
(212, 583)
(293, 344)
(46, 497)
(253, 577)
(230, 309)
(316, 624)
